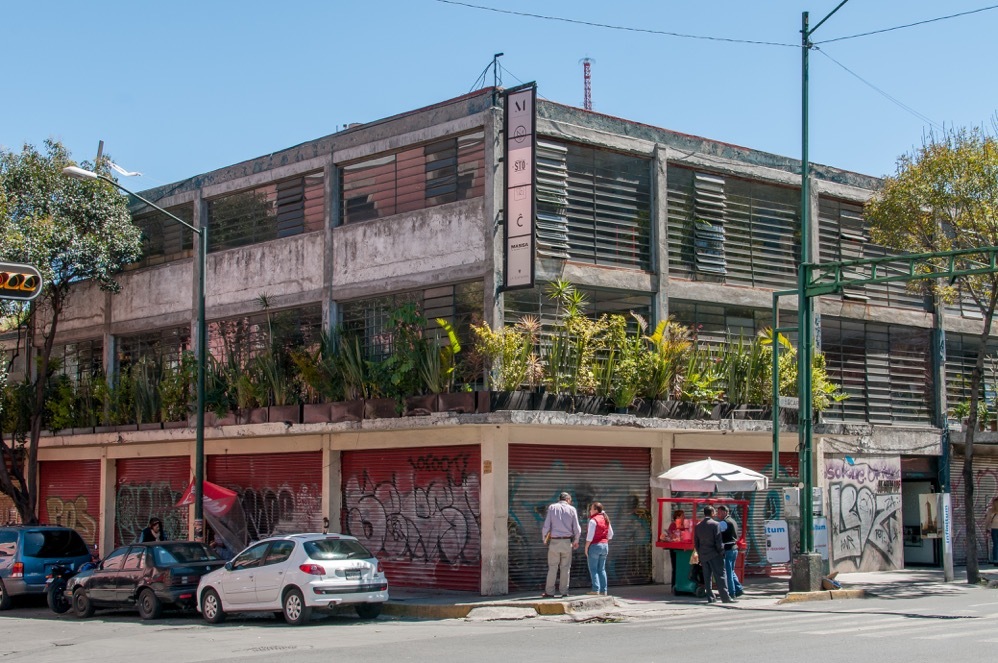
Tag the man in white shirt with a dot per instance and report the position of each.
(561, 534)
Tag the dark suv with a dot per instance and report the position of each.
(28, 553)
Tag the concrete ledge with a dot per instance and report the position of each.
(501, 609)
(834, 594)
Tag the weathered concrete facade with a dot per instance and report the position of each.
(461, 242)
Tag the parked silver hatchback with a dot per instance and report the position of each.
(294, 573)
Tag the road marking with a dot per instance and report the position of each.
(989, 629)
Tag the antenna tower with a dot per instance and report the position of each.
(587, 78)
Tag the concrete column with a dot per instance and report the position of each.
(495, 510)
(661, 460)
(332, 495)
(332, 219)
(108, 481)
(660, 235)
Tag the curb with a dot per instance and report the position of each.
(829, 595)
(462, 610)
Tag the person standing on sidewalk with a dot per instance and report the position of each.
(729, 539)
(561, 534)
(991, 522)
(707, 542)
(598, 546)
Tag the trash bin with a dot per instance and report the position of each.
(683, 583)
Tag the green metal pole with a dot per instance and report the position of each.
(202, 365)
(804, 314)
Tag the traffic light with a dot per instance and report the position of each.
(20, 282)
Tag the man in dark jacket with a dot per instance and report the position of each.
(707, 541)
(729, 539)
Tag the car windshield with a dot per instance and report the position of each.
(182, 553)
(336, 549)
(54, 543)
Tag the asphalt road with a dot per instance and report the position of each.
(957, 626)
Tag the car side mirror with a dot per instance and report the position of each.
(228, 566)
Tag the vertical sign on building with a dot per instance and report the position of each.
(518, 262)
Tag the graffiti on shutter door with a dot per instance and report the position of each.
(69, 495)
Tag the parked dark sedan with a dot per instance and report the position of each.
(147, 576)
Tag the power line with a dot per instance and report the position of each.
(909, 25)
(881, 92)
(618, 27)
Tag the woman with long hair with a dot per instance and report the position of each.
(598, 546)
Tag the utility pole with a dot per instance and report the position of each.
(806, 569)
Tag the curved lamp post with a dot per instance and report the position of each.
(202, 339)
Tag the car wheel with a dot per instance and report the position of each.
(368, 610)
(4, 597)
(149, 605)
(295, 610)
(211, 607)
(81, 604)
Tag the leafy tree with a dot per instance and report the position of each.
(944, 197)
(72, 231)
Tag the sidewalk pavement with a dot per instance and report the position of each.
(634, 600)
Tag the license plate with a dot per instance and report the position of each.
(352, 574)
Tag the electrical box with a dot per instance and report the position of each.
(791, 502)
(817, 503)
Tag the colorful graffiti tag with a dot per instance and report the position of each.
(864, 497)
(74, 513)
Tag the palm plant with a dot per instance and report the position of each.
(508, 353)
(572, 348)
(437, 363)
(665, 361)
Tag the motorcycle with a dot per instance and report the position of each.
(55, 586)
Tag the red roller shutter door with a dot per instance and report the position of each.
(147, 487)
(419, 511)
(279, 493)
(763, 505)
(985, 488)
(69, 495)
(615, 476)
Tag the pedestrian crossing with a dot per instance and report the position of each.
(857, 623)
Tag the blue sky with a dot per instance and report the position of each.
(180, 88)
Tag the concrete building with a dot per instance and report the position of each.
(339, 230)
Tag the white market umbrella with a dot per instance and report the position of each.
(710, 476)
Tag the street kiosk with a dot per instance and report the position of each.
(676, 518)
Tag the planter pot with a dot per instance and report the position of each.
(82, 430)
(228, 419)
(556, 403)
(483, 402)
(103, 429)
(340, 411)
(590, 405)
(380, 408)
(511, 400)
(315, 413)
(180, 424)
(462, 402)
(253, 415)
(420, 406)
(125, 428)
(722, 411)
(151, 425)
(289, 414)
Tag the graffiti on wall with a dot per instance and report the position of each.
(985, 488)
(280, 509)
(135, 504)
(428, 512)
(864, 514)
(74, 513)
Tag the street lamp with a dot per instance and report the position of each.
(202, 339)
